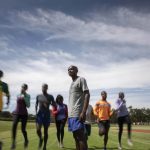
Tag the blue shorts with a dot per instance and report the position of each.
(74, 124)
(43, 118)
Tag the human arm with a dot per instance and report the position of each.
(36, 105)
(66, 110)
(27, 100)
(119, 104)
(53, 103)
(6, 91)
(85, 105)
(54, 110)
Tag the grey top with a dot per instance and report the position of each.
(89, 115)
(44, 101)
(121, 108)
(76, 97)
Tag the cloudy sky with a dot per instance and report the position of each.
(108, 40)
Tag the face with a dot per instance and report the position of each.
(72, 71)
(44, 87)
(60, 100)
(121, 95)
(104, 95)
(1, 74)
(24, 88)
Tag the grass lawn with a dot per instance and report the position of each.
(140, 140)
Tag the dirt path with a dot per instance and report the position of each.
(141, 130)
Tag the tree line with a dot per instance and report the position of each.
(139, 116)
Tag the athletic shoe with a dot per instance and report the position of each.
(130, 143)
(13, 146)
(44, 148)
(61, 145)
(119, 146)
(26, 144)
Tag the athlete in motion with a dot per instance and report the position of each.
(3, 91)
(123, 117)
(21, 113)
(103, 112)
(61, 115)
(43, 101)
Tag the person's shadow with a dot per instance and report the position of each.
(101, 148)
(65, 148)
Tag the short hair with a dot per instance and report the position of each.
(103, 92)
(44, 84)
(73, 67)
(1, 73)
(25, 85)
(121, 93)
(59, 97)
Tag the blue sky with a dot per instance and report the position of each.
(107, 40)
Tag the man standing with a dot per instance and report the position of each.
(78, 102)
(3, 89)
(44, 100)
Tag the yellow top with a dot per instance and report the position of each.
(102, 110)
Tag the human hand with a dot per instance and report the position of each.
(82, 117)
(124, 101)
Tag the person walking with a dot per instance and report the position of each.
(21, 113)
(61, 115)
(43, 102)
(4, 90)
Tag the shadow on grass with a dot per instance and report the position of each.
(112, 148)
(68, 148)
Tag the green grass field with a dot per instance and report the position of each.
(140, 140)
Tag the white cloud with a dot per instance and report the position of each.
(60, 25)
(124, 75)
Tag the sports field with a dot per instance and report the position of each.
(140, 138)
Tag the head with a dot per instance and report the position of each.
(44, 88)
(104, 95)
(72, 71)
(121, 95)
(59, 99)
(24, 88)
(1, 73)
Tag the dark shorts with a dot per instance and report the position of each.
(88, 129)
(124, 119)
(43, 118)
(74, 124)
(104, 124)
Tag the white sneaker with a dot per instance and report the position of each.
(61, 145)
(130, 143)
(119, 146)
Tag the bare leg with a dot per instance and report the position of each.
(39, 133)
(45, 137)
(81, 142)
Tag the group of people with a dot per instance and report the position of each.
(77, 113)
